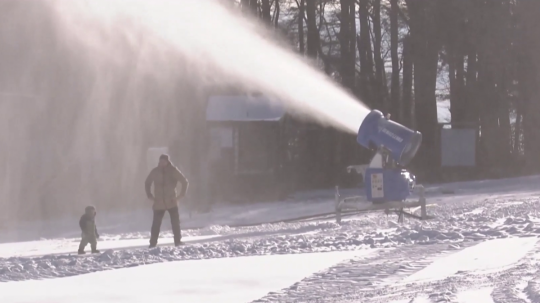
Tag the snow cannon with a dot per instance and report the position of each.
(396, 145)
(387, 184)
(378, 132)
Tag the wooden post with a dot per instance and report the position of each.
(423, 208)
(338, 207)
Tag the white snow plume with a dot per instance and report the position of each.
(217, 44)
(87, 86)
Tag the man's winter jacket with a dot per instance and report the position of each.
(165, 180)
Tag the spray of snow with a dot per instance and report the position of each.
(217, 42)
(88, 86)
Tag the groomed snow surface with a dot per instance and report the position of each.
(481, 247)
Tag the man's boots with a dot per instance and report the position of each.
(178, 241)
(81, 248)
(94, 249)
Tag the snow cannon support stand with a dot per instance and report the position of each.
(387, 184)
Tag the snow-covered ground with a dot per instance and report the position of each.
(481, 247)
(231, 280)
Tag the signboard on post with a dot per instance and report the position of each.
(458, 147)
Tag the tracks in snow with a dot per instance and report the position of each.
(381, 278)
(403, 251)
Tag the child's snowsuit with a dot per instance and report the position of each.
(89, 230)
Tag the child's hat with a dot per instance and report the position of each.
(90, 208)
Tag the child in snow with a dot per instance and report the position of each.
(89, 230)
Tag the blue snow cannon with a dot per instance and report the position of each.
(384, 180)
(378, 132)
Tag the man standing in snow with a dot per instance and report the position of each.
(165, 178)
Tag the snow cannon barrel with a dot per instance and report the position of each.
(376, 131)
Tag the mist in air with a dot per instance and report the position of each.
(86, 87)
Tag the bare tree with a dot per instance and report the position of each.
(313, 37)
(408, 101)
(301, 16)
(425, 54)
(347, 69)
(265, 12)
(380, 90)
(365, 54)
(396, 109)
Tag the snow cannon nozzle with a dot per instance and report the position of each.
(379, 132)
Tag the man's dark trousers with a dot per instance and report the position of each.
(156, 225)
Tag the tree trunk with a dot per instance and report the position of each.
(301, 15)
(380, 87)
(408, 105)
(425, 56)
(347, 73)
(265, 12)
(346, 147)
(470, 87)
(313, 32)
(396, 109)
(489, 123)
(456, 63)
(365, 55)
(352, 38)
(452, 79)
(245, 5)
(530, 67)
(321, 137)
(516, 148)
(254, 7)
(504, 138)
(459, 115)
(276, 13)
(458, 105)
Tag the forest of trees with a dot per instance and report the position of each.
(405, 56)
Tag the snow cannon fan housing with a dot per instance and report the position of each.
(401, 142)
(384, 181)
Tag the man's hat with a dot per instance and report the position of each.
(164, 157)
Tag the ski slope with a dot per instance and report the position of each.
(482, 247)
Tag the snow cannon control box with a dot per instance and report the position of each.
(396, 145)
